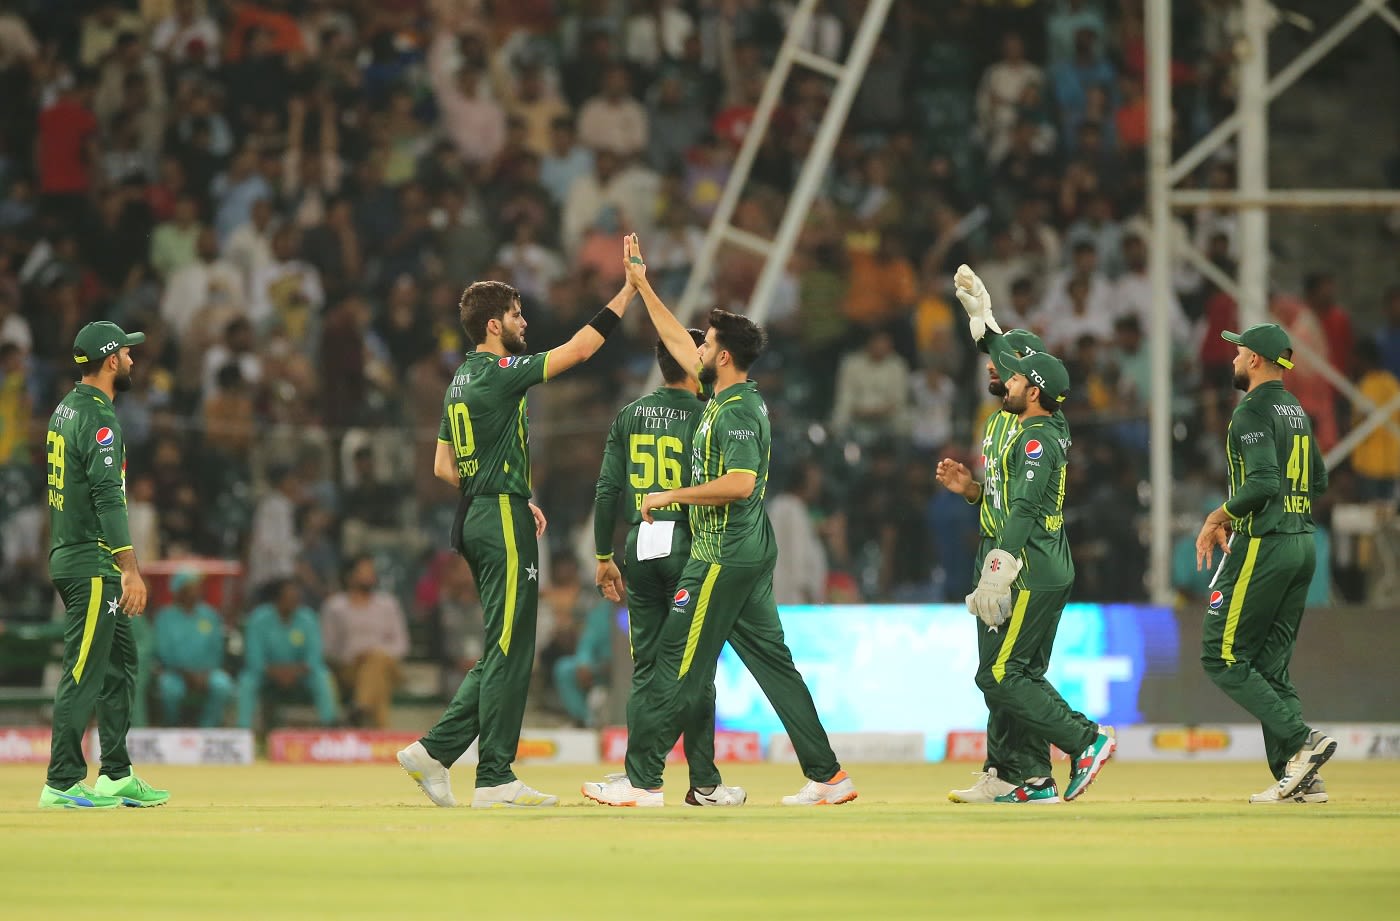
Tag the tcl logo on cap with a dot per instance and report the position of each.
(1217, 599)
(105, 436)
(682, 598)
(1034, 449)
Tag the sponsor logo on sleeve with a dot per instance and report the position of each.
(1034, 449)
(508, 361)
(105, 436)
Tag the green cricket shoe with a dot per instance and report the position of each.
(132, 791)
(1036, 791)
(1090, 761)
(78, 796)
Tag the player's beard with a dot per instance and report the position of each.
(122, 382)
(996, 388)
(1241, 382)
(1014, 405)
(513, 342)
(709, 373)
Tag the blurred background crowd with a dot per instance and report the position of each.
(288, 197)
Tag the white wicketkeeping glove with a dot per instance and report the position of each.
(972, 294)
(990, 601)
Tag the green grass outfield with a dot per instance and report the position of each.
(1147, 841)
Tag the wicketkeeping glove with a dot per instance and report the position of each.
(972, 294)
(991, 600)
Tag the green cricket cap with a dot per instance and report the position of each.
(1043, 370)
(96, 341)
(1020, 341)
(1267, 340)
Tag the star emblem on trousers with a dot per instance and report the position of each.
(532, 572)
(112, 607)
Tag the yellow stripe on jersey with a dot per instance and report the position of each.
(697, 623)
(94, 610)
(512, 573)
(1232, 620)
(1013, 630)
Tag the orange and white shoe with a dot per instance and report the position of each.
(839, 789)
(617, 790)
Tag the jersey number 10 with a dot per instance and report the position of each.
(658, 458)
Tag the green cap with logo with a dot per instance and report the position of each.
(1267, 340)
(1020, 341)
(96, 341)
(1045, 371)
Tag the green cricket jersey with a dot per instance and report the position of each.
(1001, 428)
(1035, 466)
(87, 486)
(645, 452)
(1275, 465)
(485, 422)
(733, 434)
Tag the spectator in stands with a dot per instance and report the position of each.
(1376, 460)
(1076, 79)
(16, 407)
(287, 294)
(613, 120)
(800, 577)
(1320, 294)
(190, 650)
(67, 149)
(564, 161)
(1000, 93)
(204, 288)
(273, 545)
(581, 677)
(872, 391)
(1132, 295)
(282, 656)
(365, 638)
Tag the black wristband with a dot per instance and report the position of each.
(605, 322)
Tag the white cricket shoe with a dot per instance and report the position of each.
(513, 795)
(1303, 766)
(988, 787)
(432, 778)
(1314, 791)
(719, 796)
(617, 790)
(834, 792)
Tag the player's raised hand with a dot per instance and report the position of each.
(972, 294)
(954, 476)
(540, 521)
(632, 261)
(653, 501)
(608, 579)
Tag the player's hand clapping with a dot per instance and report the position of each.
(632, 261)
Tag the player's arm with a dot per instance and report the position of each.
(735, 432)
(445, 458)
(587, 341)
(671, 331)
(104, 470)
(610, 478)
(1252, 442)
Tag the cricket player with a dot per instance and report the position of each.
(1265, 532)
(1024, 548)
(726, 588)
(94, 570)
(484, 449)
(648, 448)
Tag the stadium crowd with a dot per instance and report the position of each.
(288, 197)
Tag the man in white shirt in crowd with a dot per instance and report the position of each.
(364, 637)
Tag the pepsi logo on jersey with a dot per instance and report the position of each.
(1034, 449)
(105, 436)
